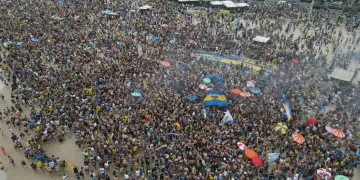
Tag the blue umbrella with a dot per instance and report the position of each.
(34, 39)
(255, 90)
(136, 94)
(209, 76)
(156, 38)
(273, 156)
(121, 8)
(172, 41)
(182, 68)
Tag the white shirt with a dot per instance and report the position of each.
(102, 170)
(65, 177)
(51, 164)
(137, 173)
(126, 176)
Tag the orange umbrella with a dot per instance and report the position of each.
(298, 138)
(236, 91)
(251, 153)
(338, 133)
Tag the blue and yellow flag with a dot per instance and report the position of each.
(162, 148)
(215, 98)
(205, 113)
(286, 107)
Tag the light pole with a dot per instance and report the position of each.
(311, 8)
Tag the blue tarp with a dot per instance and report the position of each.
(192, 98)
(182, 68)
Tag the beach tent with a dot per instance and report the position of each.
(261, 39)
(342, 74)
(145, 7)
(230, 4)
(242, 4)
(216, 3)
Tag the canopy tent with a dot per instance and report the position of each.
(242, 4)
(216, 3)
(227, 2)
(230, 5)
(261, 39)
(342, 74)
(145, 7)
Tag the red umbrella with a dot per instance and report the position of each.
(257, 161)
(165, 63)
(165, 25)
(191, 41)
(295, 61)
(311, 121)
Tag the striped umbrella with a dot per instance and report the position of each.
(250, 84)
(255, 90)
(323, 173)
(281, 128)
(298, 138)
(241, 146)
(338, 133)
(328, 129)
(245, 94)
(202, 86)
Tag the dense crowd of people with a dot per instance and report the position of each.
(101, 77)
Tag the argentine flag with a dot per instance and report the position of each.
(286, 107)
(205, 113)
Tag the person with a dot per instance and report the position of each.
(1, 166)
(81, 173)
(126, 176)
(33, 166)
(11, 160)
(52, 165)
(65, 177)
(92, 175)
(3, 150)
(23, 163)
